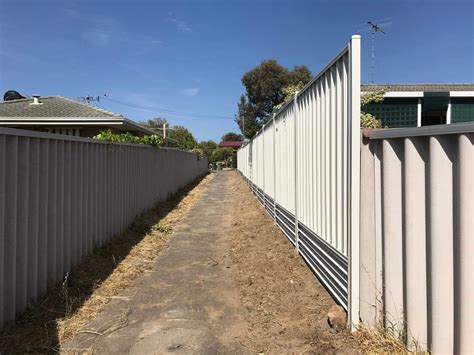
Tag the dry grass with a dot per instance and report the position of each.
(379, 340)
(88, 288)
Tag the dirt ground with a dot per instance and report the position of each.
(215, 276)
(107, 273)
(285, 303)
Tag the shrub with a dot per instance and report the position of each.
(152, 140)
(368, 120)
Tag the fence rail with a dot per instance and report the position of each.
(303, 166)
(62, 196)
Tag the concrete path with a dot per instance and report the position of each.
(186, 304)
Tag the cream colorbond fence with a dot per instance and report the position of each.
(62, 196)
(387, 226)
(303, 166)
(416, 245)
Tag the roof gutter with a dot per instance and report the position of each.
(74, 121)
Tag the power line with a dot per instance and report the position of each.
(160, 110)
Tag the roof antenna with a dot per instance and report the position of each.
(375, 26)
(88, 99)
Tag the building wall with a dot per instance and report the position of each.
(403, 112)
(81, 131)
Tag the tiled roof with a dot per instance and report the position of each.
(417, 87)
(52, 106)
(230, 144)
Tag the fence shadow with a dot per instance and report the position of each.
(37, 330)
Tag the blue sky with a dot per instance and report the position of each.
(190, 55)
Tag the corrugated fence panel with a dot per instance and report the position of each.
(269, 160)
(425, 182)
(305, 165)
(62, 196)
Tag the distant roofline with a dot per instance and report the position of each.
(109, 113)
(74, 121)
(415, 90)
(408, 84)
(232, 142)
(111, 118)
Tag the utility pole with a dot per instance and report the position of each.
(164, 130)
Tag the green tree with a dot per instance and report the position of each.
(221, 154)
(264, 86)
(290, 92)
(247, 118)
(207, 147)
(155, 124)
(184, 139)
(232, 137)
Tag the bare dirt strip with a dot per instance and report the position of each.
(286, 306)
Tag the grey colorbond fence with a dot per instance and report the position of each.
(61, 196)
(416, 239)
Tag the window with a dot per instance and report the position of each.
(395, 112)
(65, 131)
(462, 109)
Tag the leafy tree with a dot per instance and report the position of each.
(290, 92)
(184, 139)
(300, 73)
(232, 137)
(264, 86)
(155, 124)
(247, 118)
(220, 154)
(207, 147)
(181, 135)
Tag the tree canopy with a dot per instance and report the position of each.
(184, 139)
(265, 88)
(155, 124)
(220, 154)
(207, 147)
(232, 137)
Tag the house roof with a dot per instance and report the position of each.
(62, 111)
(231, 144)
(52, 106)
(418, 87)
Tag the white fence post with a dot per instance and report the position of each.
(354, 212)
(295, 117)
(264, 198)
(274, 168)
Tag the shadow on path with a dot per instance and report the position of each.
(37, 330)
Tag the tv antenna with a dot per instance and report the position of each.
(375, 26)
